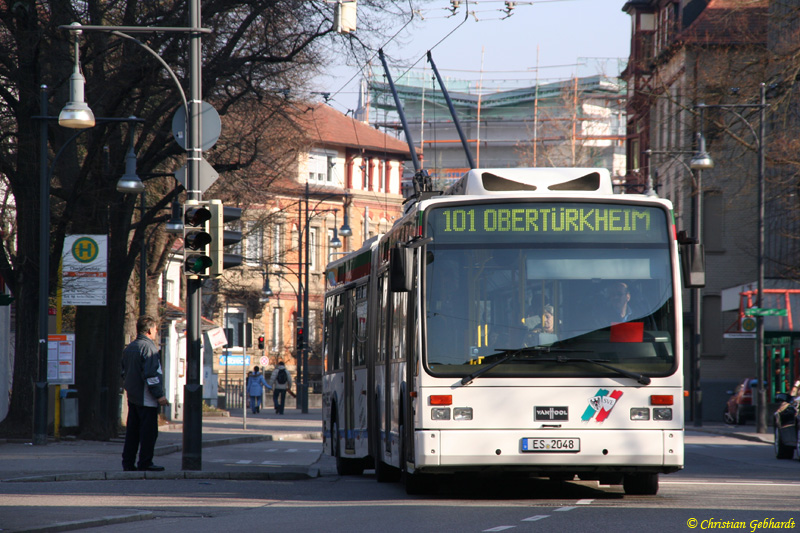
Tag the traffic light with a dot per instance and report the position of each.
(222, 238)
(299, 344)
(261, 342)
(196, 238)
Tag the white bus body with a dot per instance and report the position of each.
(439, 358)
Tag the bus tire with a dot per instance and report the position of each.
(782, 451)
(344, 466)
(645, 484)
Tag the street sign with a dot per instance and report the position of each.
(233, 360)
(761, 311)
(210, 126)
(84, 270)
(739, 335)
(206, 178)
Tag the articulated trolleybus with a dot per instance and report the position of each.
(524, 322)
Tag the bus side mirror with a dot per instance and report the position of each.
(401, 269)
(693, 265)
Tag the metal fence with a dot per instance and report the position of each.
(231, 394)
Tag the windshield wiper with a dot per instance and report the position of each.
(640, 378)
(509, 354)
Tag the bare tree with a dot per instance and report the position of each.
(256, 51)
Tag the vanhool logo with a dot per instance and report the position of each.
(551, 413)
(601, 405)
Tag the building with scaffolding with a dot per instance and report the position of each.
(577, 122)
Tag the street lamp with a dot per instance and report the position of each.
(45, 177)
(761, 410)
(193, 421)
(346, 231)
(76, 114)
(700, 161)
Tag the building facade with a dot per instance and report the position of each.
(344, 188)
(697, 67)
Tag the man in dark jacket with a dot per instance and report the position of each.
(144, 383)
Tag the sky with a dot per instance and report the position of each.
(551, 39)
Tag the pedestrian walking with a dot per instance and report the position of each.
(144, 382)
(281, 381)
(255, 389)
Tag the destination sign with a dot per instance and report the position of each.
(543, 219)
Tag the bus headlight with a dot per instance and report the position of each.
(662, 413)
(462, 413)
(640, 413)
(440, 413)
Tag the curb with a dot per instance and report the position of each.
(92, 522)
(276, 474)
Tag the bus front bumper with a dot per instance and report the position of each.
(598, 450)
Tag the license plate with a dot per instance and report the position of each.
(550, 444)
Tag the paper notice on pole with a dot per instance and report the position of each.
(61, 359)
(84, 270)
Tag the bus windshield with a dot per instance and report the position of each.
(580, 280)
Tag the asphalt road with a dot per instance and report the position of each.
(728, 483)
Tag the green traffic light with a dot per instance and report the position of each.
(197, 264)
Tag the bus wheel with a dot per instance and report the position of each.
(414, 483)
(344, 466)
(640, 484)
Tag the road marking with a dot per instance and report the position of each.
(244, 462)
(567, 508)
(536, 518)
(500, 528)
(272, 463)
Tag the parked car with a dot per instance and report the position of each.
(787, 423)
(740, 406)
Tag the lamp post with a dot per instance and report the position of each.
(761, 409)
(192, 426)
(700, 161)
(73, 117)
(344, 231)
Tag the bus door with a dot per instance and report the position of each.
(384, 356)
(348, 343)
(412, 333)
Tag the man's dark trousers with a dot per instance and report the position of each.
(140, 436)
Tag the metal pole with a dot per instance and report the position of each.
(193, 392)
(761, 413)
(697, 298)
(245, 394)
(299, 314)
(41, 390)
(304, 385)
(143, 266)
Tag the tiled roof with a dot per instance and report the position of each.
(325, 125)
(729, 22)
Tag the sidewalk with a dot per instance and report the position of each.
(744, 432)
(72, 459)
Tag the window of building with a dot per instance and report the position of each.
(254, 243)
(321, 166)
(312, 330)
(276, 338)
(312, 249)
(713, 221)
(276, 246)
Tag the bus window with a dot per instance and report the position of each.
(601, 297)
